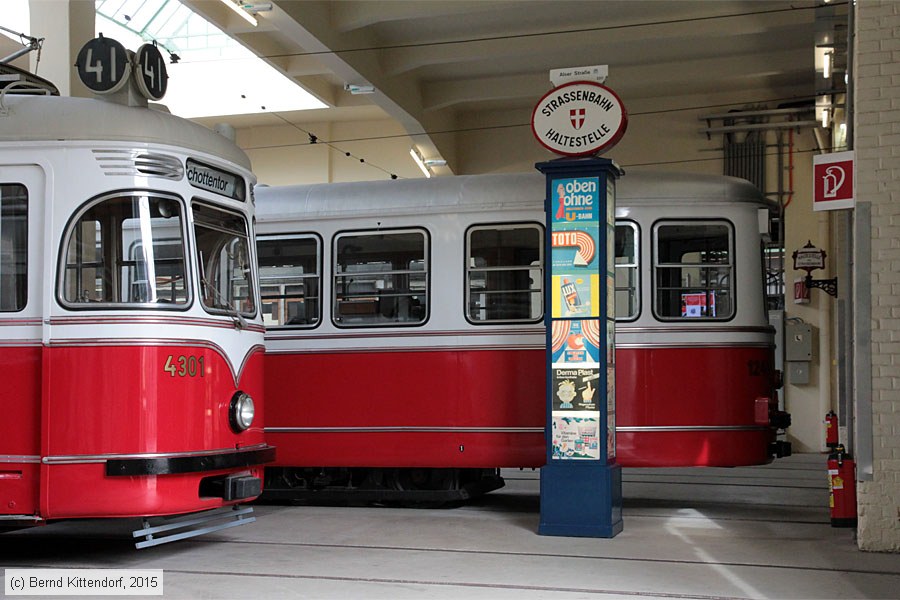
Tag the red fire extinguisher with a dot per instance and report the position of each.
(831, 429)
(842, 488)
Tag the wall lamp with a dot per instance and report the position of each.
(357, 89)
(239, 9)
(426, 164)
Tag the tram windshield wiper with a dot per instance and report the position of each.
(221, 303)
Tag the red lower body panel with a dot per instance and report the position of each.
(486, 409)
(398, 449)
(73, 408)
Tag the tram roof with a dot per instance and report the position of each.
(486, 192)
(53, 118)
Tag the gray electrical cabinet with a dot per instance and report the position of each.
(798, 352)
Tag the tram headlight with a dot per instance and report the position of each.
(241, 411)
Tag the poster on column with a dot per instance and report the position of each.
(575, 388)
(573, 248)
(574, 260)
(575, 435)
(576, 199)
(575, 342)
(575, 295)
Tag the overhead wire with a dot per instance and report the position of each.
(511, 125)
(508, 37)
(313, 139)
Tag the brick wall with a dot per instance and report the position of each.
(877, 144)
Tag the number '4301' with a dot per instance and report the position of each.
(185, 366)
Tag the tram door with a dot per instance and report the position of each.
(22, 274)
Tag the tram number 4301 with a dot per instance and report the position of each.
(184, 366)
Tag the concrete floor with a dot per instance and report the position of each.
(759, 532)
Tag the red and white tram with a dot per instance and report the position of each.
(131, 335)
(406, 338)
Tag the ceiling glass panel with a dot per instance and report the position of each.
(214, 75)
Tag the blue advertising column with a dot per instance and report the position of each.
(581, 484)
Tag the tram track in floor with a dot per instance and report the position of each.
(586, 557)
(642, 504)
(831, 570)
(556, 591)
(481, 552)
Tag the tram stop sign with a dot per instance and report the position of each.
(808, 258)
(579, 118)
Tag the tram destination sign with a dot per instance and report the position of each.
(215, 180)
(150, 72)
(581, 118)
(103, 65)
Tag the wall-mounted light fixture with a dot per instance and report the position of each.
(356, 89)
(256, 7)
(827, 64)
(241, 12)
(419, 161)
(425, 164)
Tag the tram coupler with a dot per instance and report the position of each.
(232, 487)
(780, 449)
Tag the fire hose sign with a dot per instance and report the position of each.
(833, 185)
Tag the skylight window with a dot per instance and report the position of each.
(15, 17)
(215, 75)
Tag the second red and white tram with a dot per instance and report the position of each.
(406, 337)
(131, 333)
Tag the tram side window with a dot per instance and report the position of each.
(126, 250)
(693, 270)
(380, 278)
(504, 273)
(627, 296)
(223, 253)
(290, 279)
(13, 247)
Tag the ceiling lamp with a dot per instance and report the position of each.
(240, 11)
(425, 164)
(419, 161)
(357, 89)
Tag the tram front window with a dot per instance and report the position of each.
(126, 249)
(223, 252)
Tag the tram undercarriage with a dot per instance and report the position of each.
(408, 487)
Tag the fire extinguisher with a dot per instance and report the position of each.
(831, 429)
(842, 488)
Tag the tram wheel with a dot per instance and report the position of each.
(414, 479)
(424, 487)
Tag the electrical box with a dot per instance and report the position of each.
(798, 373)
(798, 342)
